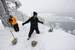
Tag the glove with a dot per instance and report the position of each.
(22, 23)
(42, 23)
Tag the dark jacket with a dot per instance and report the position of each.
(33, 21)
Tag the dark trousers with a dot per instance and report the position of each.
(32, 30)
(16, 27)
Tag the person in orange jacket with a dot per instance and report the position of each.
(13, 22)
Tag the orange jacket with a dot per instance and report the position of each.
(13, 20)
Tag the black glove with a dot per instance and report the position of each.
(42, 23)
(22, 23)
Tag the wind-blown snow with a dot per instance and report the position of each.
(56, 40)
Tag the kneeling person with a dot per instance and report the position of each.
(12, 20)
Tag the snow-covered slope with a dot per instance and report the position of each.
(57, 40)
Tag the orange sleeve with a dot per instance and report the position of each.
(14, 20)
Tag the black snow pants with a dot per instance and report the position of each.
(16, 27)
(32, 30)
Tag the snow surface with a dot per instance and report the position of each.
(56, 40)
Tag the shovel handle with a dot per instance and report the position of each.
(12, 34)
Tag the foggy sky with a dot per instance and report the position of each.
(59, 7)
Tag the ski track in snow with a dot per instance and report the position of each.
(56, 40)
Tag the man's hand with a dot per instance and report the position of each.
(22, 23)
(42, 22)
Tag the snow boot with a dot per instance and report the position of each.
(28, 38)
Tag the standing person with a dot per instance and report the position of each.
(34, 24)
(13, 22)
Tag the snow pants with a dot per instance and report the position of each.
(16, 27)
(32, 30)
